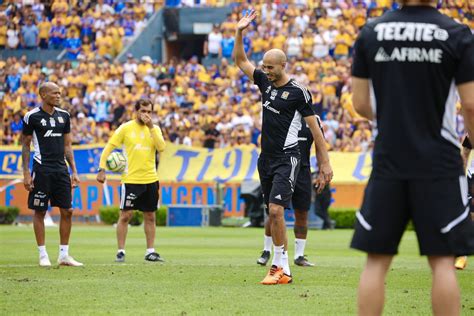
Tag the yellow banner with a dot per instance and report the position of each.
(193, 164)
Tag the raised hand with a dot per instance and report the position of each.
(246, 20)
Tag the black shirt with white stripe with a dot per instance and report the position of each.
(48, 136)
(414, 58)
(283, 108)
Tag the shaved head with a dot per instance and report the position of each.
(275, 56)
(47, 86)
(50, 94)
(274, 63)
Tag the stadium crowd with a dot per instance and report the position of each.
(214, 106)
(76, 26)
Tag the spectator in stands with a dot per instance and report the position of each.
(73, 45)
(13, 36)
(227, 45)
(241, 119)
(3, 31)
(213, 43)
(57, 34)
(211, 136)
(128, 25)
(13, 80)
(87, 25)
(44, 28)
(16, 126)
(129, 72)
(101, 108)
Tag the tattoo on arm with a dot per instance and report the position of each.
(70, 158)
(25, 153)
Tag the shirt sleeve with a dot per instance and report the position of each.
(259, 78)
(305, 106)
(117, 138)
(67, 125)
(360, 67)
(465, 72)
(27, 126)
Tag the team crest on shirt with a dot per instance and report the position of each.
(52, 122)
(36, 202)
(43, 122)
(273, 95)
(285, 95)
(60, 119)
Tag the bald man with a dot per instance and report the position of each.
(284, 103)
(49, 128)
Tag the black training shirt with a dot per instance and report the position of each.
(283, 109)
(414, 58)
(48, 136)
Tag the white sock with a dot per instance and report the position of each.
(299, 247)
(284, 263)
(42, 251)
(149, 250)
(63, 251)
(267, 244)
(277, 255)
(121, 250)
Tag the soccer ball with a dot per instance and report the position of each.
(116, 162)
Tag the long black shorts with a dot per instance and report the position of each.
(438, 208)
(50, 186)
(301, 199)
(142, 197)
(277, 176)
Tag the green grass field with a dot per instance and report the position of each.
(207, 271)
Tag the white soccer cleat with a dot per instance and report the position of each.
(44, 261)
(69, 261)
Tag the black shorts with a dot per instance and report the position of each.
(142, 197)
(301, 199)
(50, 186)
(277, 176)
(438, 208)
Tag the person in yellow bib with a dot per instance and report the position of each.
(140, 140)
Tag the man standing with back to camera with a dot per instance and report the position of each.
(284, 103)
(49, 127)
(408, 64)
(141, 139)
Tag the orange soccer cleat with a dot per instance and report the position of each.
(285, 279)
(273, 276)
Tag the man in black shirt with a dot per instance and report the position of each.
(284, 103)
(300, 201)
(407, 66)
(49, 128)
(211, 136)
